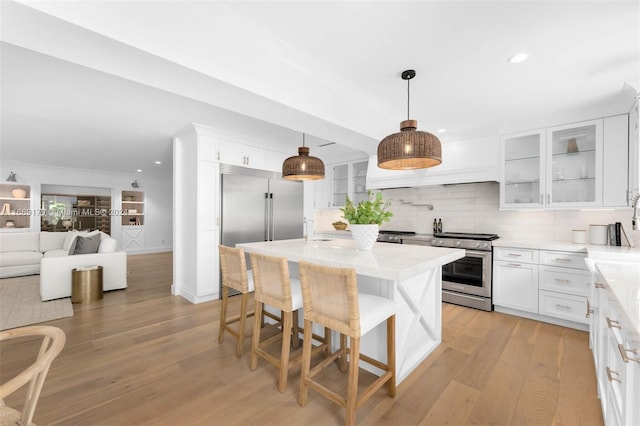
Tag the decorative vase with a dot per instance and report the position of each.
(365, 235)
(18, 193)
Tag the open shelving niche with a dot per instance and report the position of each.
(14, 210)
(132, 208)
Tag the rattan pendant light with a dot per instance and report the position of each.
(410, 148)
(303, 166)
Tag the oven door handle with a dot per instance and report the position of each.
(478, 253)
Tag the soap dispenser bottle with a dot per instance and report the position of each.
(435, 225)
(439, 226)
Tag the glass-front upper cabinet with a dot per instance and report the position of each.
(349, 180)
(560, 167)
(522, 170)
(574, 168)
(339, 184)
(359, 181)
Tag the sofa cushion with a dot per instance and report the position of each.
(20, 258)
(56, 253)
(22, 241)
(71, 235)
(86, 245)
(68, 240)
(51, 240)
(108, 245)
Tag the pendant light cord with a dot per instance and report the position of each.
(408, 95)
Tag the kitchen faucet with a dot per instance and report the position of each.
(306, 229)
(635, 220)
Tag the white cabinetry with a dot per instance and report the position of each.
(242, 155)
(634, 150)
(616, 352)
(515, 277)
(547, 285)
(196, 201)
(578, 165)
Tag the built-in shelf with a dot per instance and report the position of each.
(15, 207)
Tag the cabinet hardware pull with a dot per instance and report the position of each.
(515, 265)
(562, 306)
(610, 374)
(613, 323)
(548, 198)
(562, 280)
(598, 285)
(589, 310)
(514, 255)
(541, 198)
(561, 259)
(218, 155)
(625, 357)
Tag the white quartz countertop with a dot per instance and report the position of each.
(386, 261)
(623, 281)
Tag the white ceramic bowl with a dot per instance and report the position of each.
(18, 193)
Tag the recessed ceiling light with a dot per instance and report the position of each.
(442, 130)
(158, 162)
(519, 57)
(139, 170)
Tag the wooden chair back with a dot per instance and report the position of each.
(234, 268)
(271, 281)
(330, 297)
(52, 344)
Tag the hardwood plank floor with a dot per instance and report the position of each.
(143, 356)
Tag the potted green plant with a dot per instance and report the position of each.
(365, 219)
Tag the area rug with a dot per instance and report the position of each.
(20, 303)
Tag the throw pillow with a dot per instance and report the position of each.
(71, 235)
(107, 245)
(86, 245)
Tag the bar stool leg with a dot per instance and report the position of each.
(223, 312)
(306, 362)
(243, 319)
(284, 354)
(352, 386)
(391, 355)
(255, 339)
(343, 353)
(295, 330)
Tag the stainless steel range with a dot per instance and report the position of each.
(467, 281)
(393, 236)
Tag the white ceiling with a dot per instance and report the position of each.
(86, 82)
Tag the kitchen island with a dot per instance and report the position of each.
(411, 276)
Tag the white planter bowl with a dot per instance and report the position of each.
(364, 235)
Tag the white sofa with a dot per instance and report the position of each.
(47, 253)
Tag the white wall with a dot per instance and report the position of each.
(158, 196)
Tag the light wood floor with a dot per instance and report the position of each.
(142, 356)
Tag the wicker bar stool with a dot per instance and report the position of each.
(234, 276)
(275, 288)
(330, 298)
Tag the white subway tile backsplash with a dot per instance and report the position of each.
(475, 208)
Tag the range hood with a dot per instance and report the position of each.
(469, 161)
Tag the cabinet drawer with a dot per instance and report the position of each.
(565, 280)
(563, 258)
(515, 255)
(564, 306)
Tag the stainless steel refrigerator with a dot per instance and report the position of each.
(259, 206)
